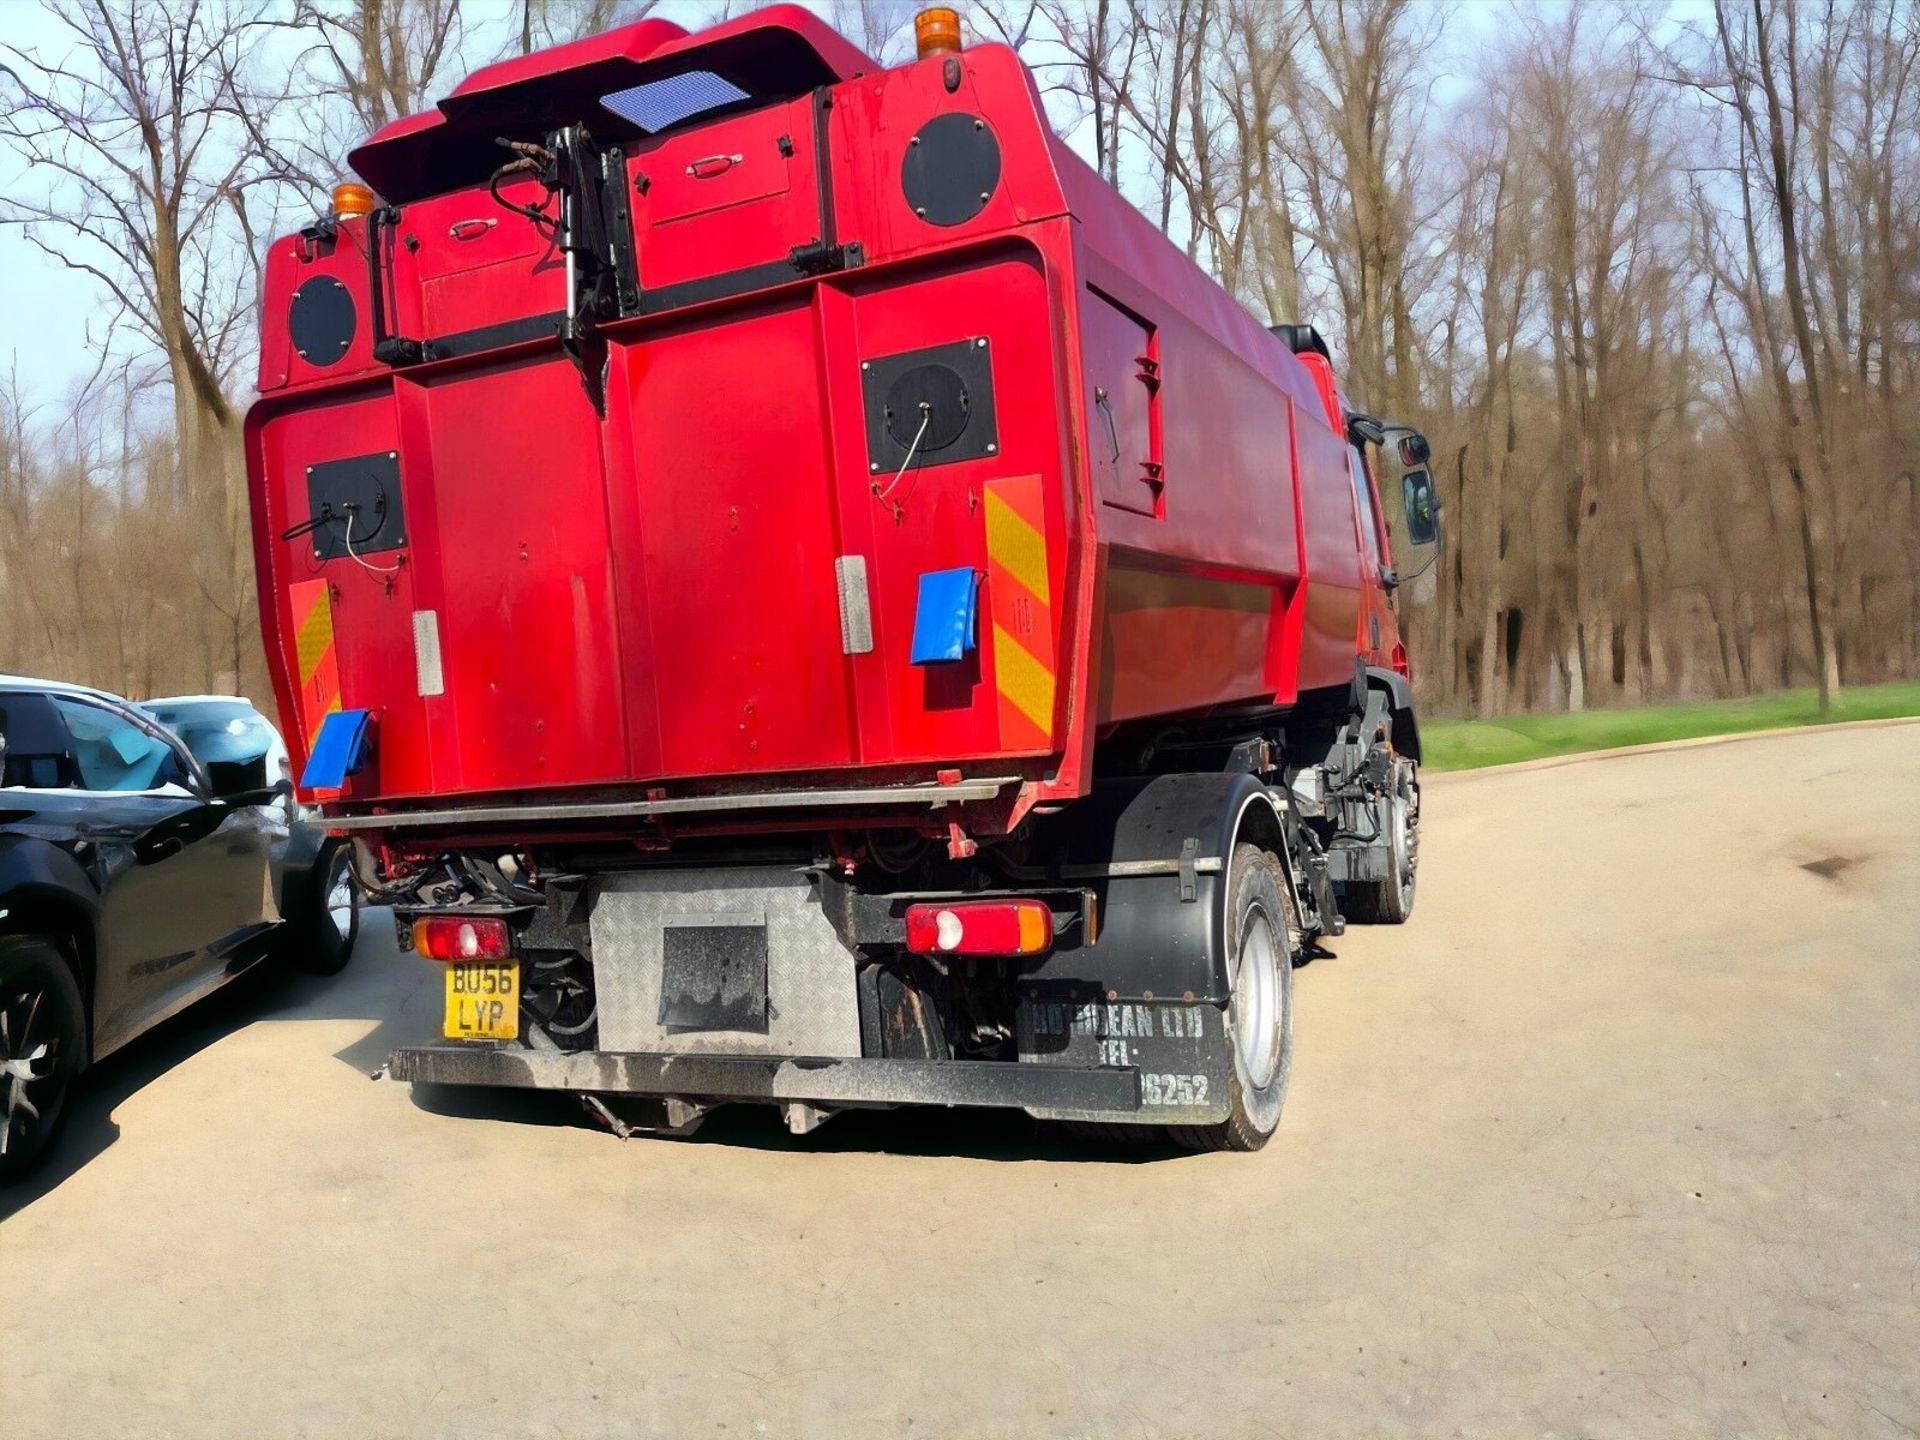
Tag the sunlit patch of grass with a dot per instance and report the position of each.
(1470, 744)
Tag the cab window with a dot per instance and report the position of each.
(1363, 498)
(112, 751)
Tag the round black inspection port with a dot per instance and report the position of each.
(321, 319)
(951, 170)
(933, 395)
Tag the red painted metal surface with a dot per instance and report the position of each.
(647, 598)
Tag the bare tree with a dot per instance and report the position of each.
(554, 22)
(1650, 283)
(882, 28)
(388, 58)
(143, 176)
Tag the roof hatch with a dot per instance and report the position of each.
(638, 80)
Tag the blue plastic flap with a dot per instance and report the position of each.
(943, 621)
(338, 750)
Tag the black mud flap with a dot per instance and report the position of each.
(1180, 1050)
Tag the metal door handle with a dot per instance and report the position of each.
(470, 229)
(708, 166)
(1106, 409)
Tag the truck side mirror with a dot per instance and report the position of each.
(1414, 449)
(1423, 517)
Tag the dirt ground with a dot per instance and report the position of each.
(1620, 1137)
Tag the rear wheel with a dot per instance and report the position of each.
(1390, 901)
(1263, 934)
(321, 932)
(42, 1047)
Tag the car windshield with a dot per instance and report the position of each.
(112, 752)
(216, 730)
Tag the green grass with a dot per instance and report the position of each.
(1470, 744)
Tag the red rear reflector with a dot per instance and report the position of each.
(459, 937)
(980, 927)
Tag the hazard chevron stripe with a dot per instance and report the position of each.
(1019, 595)
(313, 651)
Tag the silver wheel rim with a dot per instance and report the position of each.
(1257, 999)
(28, 1058)
(1401, 838)
(340, 900)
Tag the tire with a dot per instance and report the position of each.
(1390, 901)
(1263, 934)
(322, 930)
(43, 1048)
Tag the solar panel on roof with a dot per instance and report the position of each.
(661, 104)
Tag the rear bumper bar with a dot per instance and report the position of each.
(860, 797)
(1050, 1088)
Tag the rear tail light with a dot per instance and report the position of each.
(460, 937)
(980, 927)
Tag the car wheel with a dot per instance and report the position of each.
(42, 1048)
(1263, 934)
(321, 933)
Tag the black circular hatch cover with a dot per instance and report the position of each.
(952, 168)
(931, 394)
(321, 319)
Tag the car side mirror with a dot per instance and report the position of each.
(1423, 515)
(1414, 449)
(232, 778)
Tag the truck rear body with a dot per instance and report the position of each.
(718, 578)
(768, 454)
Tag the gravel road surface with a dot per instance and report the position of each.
(1620, 1137)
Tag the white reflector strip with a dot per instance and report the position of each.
(856, 614)
(426, 653)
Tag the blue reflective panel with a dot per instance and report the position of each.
(338, 750)
(660, 104)
(944, 619)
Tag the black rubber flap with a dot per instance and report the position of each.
(951, 169)
(713, 976)
(321, 319)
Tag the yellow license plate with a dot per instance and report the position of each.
(483, 1001)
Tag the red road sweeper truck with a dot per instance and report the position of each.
(800, 594)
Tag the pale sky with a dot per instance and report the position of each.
(43, 305)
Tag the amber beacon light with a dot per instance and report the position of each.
(937, 31)
(352, 200)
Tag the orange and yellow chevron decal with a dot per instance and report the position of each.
(1020, 601)
(313, 652)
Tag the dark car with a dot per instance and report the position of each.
(135, 878)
